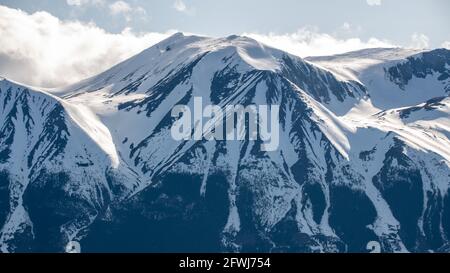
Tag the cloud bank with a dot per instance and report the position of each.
(41, 50)
(310, 42)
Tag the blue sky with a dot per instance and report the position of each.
(96, 34)
(395, 20)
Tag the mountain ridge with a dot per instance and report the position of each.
(359, 160)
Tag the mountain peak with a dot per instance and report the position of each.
(7, 82)
(180, 50)
(177, 35)
(232, 37)
(179, 38)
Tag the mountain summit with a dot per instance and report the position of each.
(363, 154)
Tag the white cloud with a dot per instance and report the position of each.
(446, 44)
(419, 40)
(120, 7)
(41, 50)
(79, 3)
(76, 2)
(125, 9)
(310, 42)
(373, 2)
(180, 6)
(346, 26)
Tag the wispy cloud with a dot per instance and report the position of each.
(180, 6)
(128, 11)
(419, 40)
(373, 2)
(84, 2)
(120, 7)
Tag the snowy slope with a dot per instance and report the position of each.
(363, 154)
(51, 149)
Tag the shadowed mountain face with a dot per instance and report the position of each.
(363, 154)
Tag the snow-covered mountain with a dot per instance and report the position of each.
(364, 154)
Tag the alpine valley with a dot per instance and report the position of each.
(364, 154)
